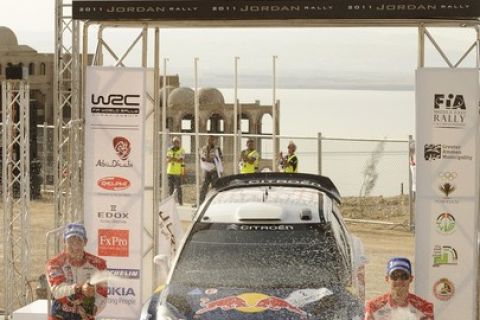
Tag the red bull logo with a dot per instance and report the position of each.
(251, 303)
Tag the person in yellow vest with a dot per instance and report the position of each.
(249, 158)
(289, 163)
(176, 168)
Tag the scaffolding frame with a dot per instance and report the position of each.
(16, 193)
(69, 142)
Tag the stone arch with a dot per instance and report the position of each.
(43, 69)
(31, 68)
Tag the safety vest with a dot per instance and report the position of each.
(250, 167)
(292, 164)
(174, 167)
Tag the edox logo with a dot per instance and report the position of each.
(450, 101)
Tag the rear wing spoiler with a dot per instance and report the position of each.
(318, 182)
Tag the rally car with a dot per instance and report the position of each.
(263, 246)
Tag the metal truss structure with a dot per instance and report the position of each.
(67, 117)
(16, 193)
(70, 64)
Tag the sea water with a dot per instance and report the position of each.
(356, 114)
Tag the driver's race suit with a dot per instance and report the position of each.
(67, 303)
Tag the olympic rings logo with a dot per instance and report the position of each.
(448, 175)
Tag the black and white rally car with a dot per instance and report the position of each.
(263, 246)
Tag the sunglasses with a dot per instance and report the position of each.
(399, 276)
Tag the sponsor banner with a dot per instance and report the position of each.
(113, 181)
(447, 118)
(274, 9)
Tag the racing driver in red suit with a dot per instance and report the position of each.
(68, 274)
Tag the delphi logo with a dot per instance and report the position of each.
(113, 183)
(122, 148)
(113, 243)
(449, 101)
(116, 100)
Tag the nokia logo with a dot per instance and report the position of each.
(121, 291)
(450, 101)
(116, 100)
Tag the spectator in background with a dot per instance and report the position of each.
(211, 163)
(289, 162)
(175, 168)
(399, 303)
(249, 158)
(69, 273)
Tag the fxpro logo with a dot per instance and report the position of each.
(113, 243)
(116, 99)
(449, 111)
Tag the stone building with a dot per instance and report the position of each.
(40, 72)
(216, 116)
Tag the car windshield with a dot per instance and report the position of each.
(260, 256)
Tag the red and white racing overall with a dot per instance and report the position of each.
(383, 308)
(68, 304)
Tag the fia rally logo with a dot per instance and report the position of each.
(449, 111)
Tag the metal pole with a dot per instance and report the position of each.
(411, 194)
(156, 144)
(319, 141)
(164, 129)
(197, 140)
(235, 119)
(274, 115)
(421, 46)
(477, 29)
(44, 164)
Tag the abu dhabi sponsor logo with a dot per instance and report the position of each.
(434, 151)
(115, 104)
(114, 183)
(122, 147)
(449, 111)
(125, 273)
(445, 223)
(121, 296)
(444, 255)
(113, 243)
(113, 164)
(113, 215)
(443, 289)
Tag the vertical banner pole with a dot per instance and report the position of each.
(197, 140)
(164, 129)
(235, 119)
(274, 116)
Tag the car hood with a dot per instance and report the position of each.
(185, 302)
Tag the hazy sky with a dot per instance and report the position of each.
(378, 58)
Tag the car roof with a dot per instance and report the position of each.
(321, 183)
